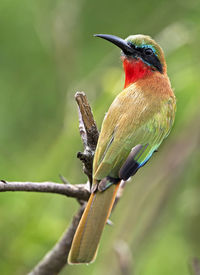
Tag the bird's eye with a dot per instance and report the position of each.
(148, 51)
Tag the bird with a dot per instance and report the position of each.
(138, 120)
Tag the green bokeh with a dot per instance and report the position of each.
(47, 53)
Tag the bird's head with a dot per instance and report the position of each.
(141, 56)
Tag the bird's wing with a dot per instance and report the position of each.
(132, 120)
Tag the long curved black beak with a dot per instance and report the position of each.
(119, 42)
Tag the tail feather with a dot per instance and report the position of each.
(88, 234)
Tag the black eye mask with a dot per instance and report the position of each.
(148, 56)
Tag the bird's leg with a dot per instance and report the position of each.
(106, 183)
(128, 169)
(94, 187)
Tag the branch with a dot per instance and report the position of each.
(89, 133)
(124, 258)
(56, 258)
(87, 125)
(78, 191)
(195, 266)
(119, 193)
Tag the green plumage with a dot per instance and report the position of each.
(138, 120)
(136, 116)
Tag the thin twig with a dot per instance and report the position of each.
(78, 191)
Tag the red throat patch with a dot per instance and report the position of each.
(135, 69)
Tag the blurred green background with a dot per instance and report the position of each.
(47, 53)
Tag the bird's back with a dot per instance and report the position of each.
(143, 114)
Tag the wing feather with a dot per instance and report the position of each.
(132, 119)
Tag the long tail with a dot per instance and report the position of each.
(86, 239)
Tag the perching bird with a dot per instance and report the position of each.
(138, 120)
